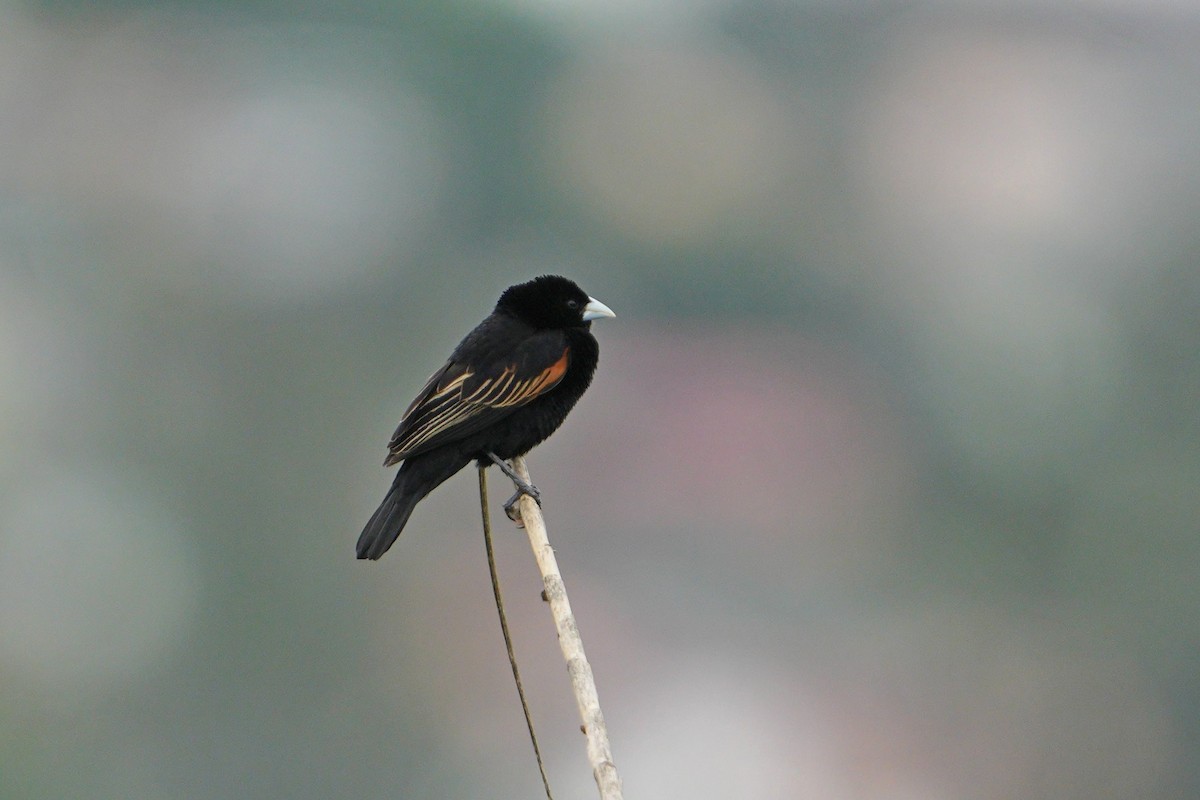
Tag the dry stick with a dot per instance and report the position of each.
(598, 750)
(508, 645)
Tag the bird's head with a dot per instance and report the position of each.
(552, 301)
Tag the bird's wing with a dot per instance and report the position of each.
(461, 399)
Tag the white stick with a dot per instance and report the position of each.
(598, 751)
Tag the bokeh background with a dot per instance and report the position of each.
(888, 487)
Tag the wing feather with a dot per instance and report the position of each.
(457, 401)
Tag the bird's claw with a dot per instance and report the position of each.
(512, 508)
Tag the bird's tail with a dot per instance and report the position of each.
(419, 476)
(384, 527)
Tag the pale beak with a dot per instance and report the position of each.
(595, 310)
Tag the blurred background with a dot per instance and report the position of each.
(888, 486)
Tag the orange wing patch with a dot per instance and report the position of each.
(552, 374)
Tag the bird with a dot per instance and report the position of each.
(507, 386)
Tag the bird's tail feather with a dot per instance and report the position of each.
(384, 527)
(417, 477)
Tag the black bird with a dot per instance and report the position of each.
(508, 385)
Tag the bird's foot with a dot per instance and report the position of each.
(512, 508)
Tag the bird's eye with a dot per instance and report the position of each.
(572, 304)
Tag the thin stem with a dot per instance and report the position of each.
(582, 682)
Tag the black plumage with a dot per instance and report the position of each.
(507, 386)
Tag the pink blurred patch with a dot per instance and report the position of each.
(779, 435)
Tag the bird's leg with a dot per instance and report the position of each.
(523, 487)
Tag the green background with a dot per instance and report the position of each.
(888, 485)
